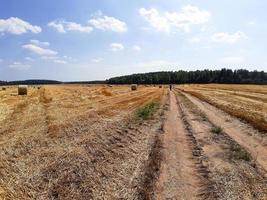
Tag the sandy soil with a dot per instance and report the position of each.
(178, 178)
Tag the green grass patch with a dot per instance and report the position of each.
(203, 116)
(238, 153)
(147, 111)
(216, 130)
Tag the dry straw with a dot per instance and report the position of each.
(22, 90)
(134, 86)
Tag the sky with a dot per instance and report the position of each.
(77, 40)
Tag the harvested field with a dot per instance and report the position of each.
(102, 142)
(76, 142)
(246, 102)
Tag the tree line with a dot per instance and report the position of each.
(240, 76)
(47, 82)
(228, 76)
(30, 82)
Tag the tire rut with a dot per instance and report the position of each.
(242, 133)
(207, 189)
(183, 175)
(234, 177)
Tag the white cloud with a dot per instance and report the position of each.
(96, 60)
(58, 26)
(58, 61)
(72, 26)
(99, 21)
(194, 40)
(228, 38)
(29, 59)
(19, 66)
(106, 23)
(38, 43)
(36, 47)
(136, 48)
(152, 16)
(39, 50)
(63, 26)
(233, 60)
(188, 16)
(17, 26)
(116, 47)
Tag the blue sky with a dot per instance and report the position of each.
(89, 40)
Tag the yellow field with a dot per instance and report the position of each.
(109, 142)
(247, 102)
(47, 136)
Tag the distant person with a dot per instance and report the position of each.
(170, 87)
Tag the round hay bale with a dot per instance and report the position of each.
(105, 92)
(3, 88)
(134, 87)
(160, 86)
(22, 90)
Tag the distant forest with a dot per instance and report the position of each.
(30, 82)
(228, 76)
(47, 82)
(240, 76)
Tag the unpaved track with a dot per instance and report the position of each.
(242, 133)
(232, 178)
(178, 178)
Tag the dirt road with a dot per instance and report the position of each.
(196, 163)
(178, 178)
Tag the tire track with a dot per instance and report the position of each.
(183, 176)
(223, 155)
(207, 189)
(242, 133)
